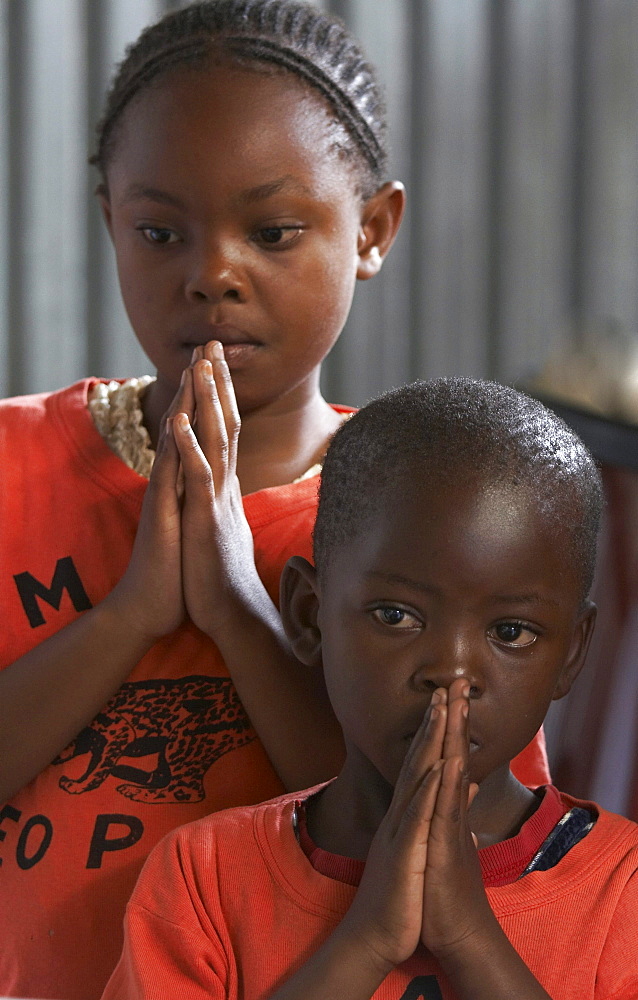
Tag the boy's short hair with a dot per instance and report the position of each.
(458, 430)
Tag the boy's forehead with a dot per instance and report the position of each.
(481, 516)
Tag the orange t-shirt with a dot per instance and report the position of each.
(173, 744)
(228, 908)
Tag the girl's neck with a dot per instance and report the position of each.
(276, 448)
(278, 443)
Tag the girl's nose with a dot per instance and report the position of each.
(215, 274)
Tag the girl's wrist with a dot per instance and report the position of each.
(127, 620)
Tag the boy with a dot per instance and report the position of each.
(454, 550)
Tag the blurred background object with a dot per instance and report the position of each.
(515, 129)
(594, 369)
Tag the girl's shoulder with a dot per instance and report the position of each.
(23, 414)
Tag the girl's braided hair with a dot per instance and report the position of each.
(293, 36)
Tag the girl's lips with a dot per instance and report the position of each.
(237, 348)
(227, 335)
(236, 354)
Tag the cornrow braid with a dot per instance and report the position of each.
(292, 35)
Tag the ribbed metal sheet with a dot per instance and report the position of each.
(515, 127)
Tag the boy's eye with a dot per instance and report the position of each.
(513, 634)
(277, 237)
(158, 236)
(395, 617)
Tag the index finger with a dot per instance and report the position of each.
(214, 352)
(425, 750)
(457, 740)
(183, 401)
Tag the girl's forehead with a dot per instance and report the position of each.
(233, 104)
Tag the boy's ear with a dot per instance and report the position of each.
(380, 220)
(299, 606)
(578, 651)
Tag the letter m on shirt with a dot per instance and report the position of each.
(65, 577)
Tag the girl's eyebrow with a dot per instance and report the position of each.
(262, 191)
(288, 183)
(137, 192)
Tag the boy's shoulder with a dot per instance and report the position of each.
(238, 828)
(603, 863)
(222, 858)
(618, 827)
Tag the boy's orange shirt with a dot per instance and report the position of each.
(172, 745)
(230, 907)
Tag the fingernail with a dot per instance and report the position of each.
(218, 350)
(436, 698)
(194, 355)
(207, 370)
(182, 420)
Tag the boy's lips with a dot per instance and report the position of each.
(473, 745)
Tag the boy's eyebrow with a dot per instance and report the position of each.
(531, 597)
(405, 580)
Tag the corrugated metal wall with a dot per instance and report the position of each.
(515, 126)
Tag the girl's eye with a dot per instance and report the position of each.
(395, 617)
(513, 634)
(160, 237)
(277, 237)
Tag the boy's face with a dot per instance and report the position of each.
(446, 583)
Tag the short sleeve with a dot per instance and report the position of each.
(617, 977)
(170, 947)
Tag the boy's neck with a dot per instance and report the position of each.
(345, 816)
(278, 443)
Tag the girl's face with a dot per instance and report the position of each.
(234, 218)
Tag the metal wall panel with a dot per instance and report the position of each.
(515, 128)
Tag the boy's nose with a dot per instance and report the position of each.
(449, 661)
(215, 274)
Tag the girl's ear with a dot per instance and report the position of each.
(299, 606)
(105, 206)
(578, 651)
(380, 220)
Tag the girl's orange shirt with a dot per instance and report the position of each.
(172, 745)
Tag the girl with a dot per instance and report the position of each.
(242, 161)
(242, 165)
